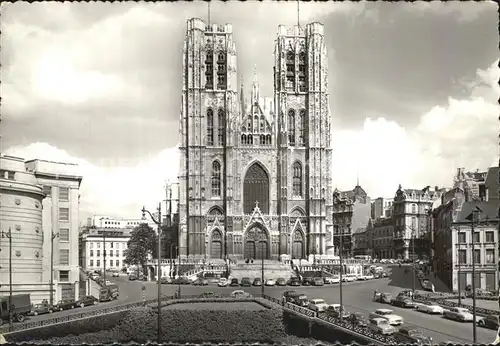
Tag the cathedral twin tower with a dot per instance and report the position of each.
(255, 175)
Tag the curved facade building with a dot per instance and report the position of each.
(21, 214)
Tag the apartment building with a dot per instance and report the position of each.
(382, 238)
(382, 207)
(104, 248)
(106, 221)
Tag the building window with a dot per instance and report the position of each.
(63, 214)
(216, 179)
(297, 179)
(117, 263)
(91, 245)
(98, 253)
(490, 256)
(47, 190)
(221, 127)
(98, 263)
(462, 256)
(302, 127)
(210, 127)
(477, 238)
(413, 208)
(64, 275)
(221, 71)
(64, 194)
(290, 71)
(11, 175)
(110, 253)
(490, 237)
(477, 256)
(302, 72)
(291, 127)
(91, 253)
(413, 224)
(209, 70)
(99, 245)
(64, 257)
(461, 237)
(111, 245)
(64, 234)
(91, 263)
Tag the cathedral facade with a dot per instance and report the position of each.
(255, 173)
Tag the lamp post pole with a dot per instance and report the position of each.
(262, 264)
(158, 275)
(104, 257)
(177, 270)
(52, 236)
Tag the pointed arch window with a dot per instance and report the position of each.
(302, 127)
(216, 179)
(255, 124)
(262, 124)
(221, 71)
(268, 139)
(243, 139)
(209, 70)
(290, 71)
(297, 179)
(221, 122)
(210, 127)
(291, 127)
(302, 72)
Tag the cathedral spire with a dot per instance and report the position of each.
(255, 87)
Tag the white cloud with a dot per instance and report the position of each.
(463, 10)
(462, 133)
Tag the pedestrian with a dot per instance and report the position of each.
(433, 289)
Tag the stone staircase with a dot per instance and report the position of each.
(272, 270)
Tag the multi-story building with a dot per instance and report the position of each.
(40, 207)
(472, 183)
(383, 238)
(106, 221)
(360, 242)
(453, 239)
(411, 215)
(61, 184)
(382, 207)
(351, 212)
(104, 248)
(255, 176)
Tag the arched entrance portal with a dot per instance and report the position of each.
(297, 245)
(256, 189)
(256, 243)
(216, 245)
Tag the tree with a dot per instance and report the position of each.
(140, 244)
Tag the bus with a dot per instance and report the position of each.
(363, 257)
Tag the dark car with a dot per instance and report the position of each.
(288, 294)
(294, 281)
(209, 295)
(200, 282)
(245, 282)
(40, 309)
(334, 311)
(257, 282)
(403, 302)
(65, 304)
(384, 298)
(317, 282)
(358, 319)
(490, 321)
(86, 301)
(133, 277)
(281, 282)
(414, 336)
(234, 282)
(306, 282)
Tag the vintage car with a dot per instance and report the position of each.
(430, 309)
(240, 294)
(381, 325)
(414, 336)
(270, 282)
(458, 314)
(403, 302)
(257, 282)
(333, 310)
(317, 282)
(234, 282)
(65, 304)
(40, 309)
(294, 281)
(317, 305)
(331, 279)
(281, 282)
(394, 320)
(86, 301)
(490, 322)
(245, 282)
(384, 298)
(223, 282)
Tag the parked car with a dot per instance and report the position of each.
(317, 305)
(430, 309)
(200, 282)
(384, 298)
(245, 282)
(317, 282)
(86, 301)
(381, 325)
(281, 282)
(234, 282)
(348, 278)
(257, 282)
(40, 309)
(458, 314)
(414, 336)
(403, 302)
(270, 282)
(65, 304)
(333, 310)
(115, 274)
(394, 320)
(299, 299)
(306, 282)
(223, 282)
(294, 281)
(287, 294)
(490, 322)
(369, 276)
(133, 277)
(240, 294)
(331, 279)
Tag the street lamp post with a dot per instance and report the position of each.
(104, 257)
(473, 216)
(459, 271)
(262, 264)
(158, 223)
(9, 235)
(53, 236)
(413, 262)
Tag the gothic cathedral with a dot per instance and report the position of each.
(255, 174)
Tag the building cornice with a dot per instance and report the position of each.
(56, 176)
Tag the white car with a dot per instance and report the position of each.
(317, 305)
(369, 277)
(108, 283)
(331, 280)
(240, 294)
(388, 314)
(115, 274)
(270, 282)
(348, 278)
(381, 325)
(430, 309)
(223, 282)
(458, 314)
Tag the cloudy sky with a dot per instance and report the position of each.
(413, 89)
